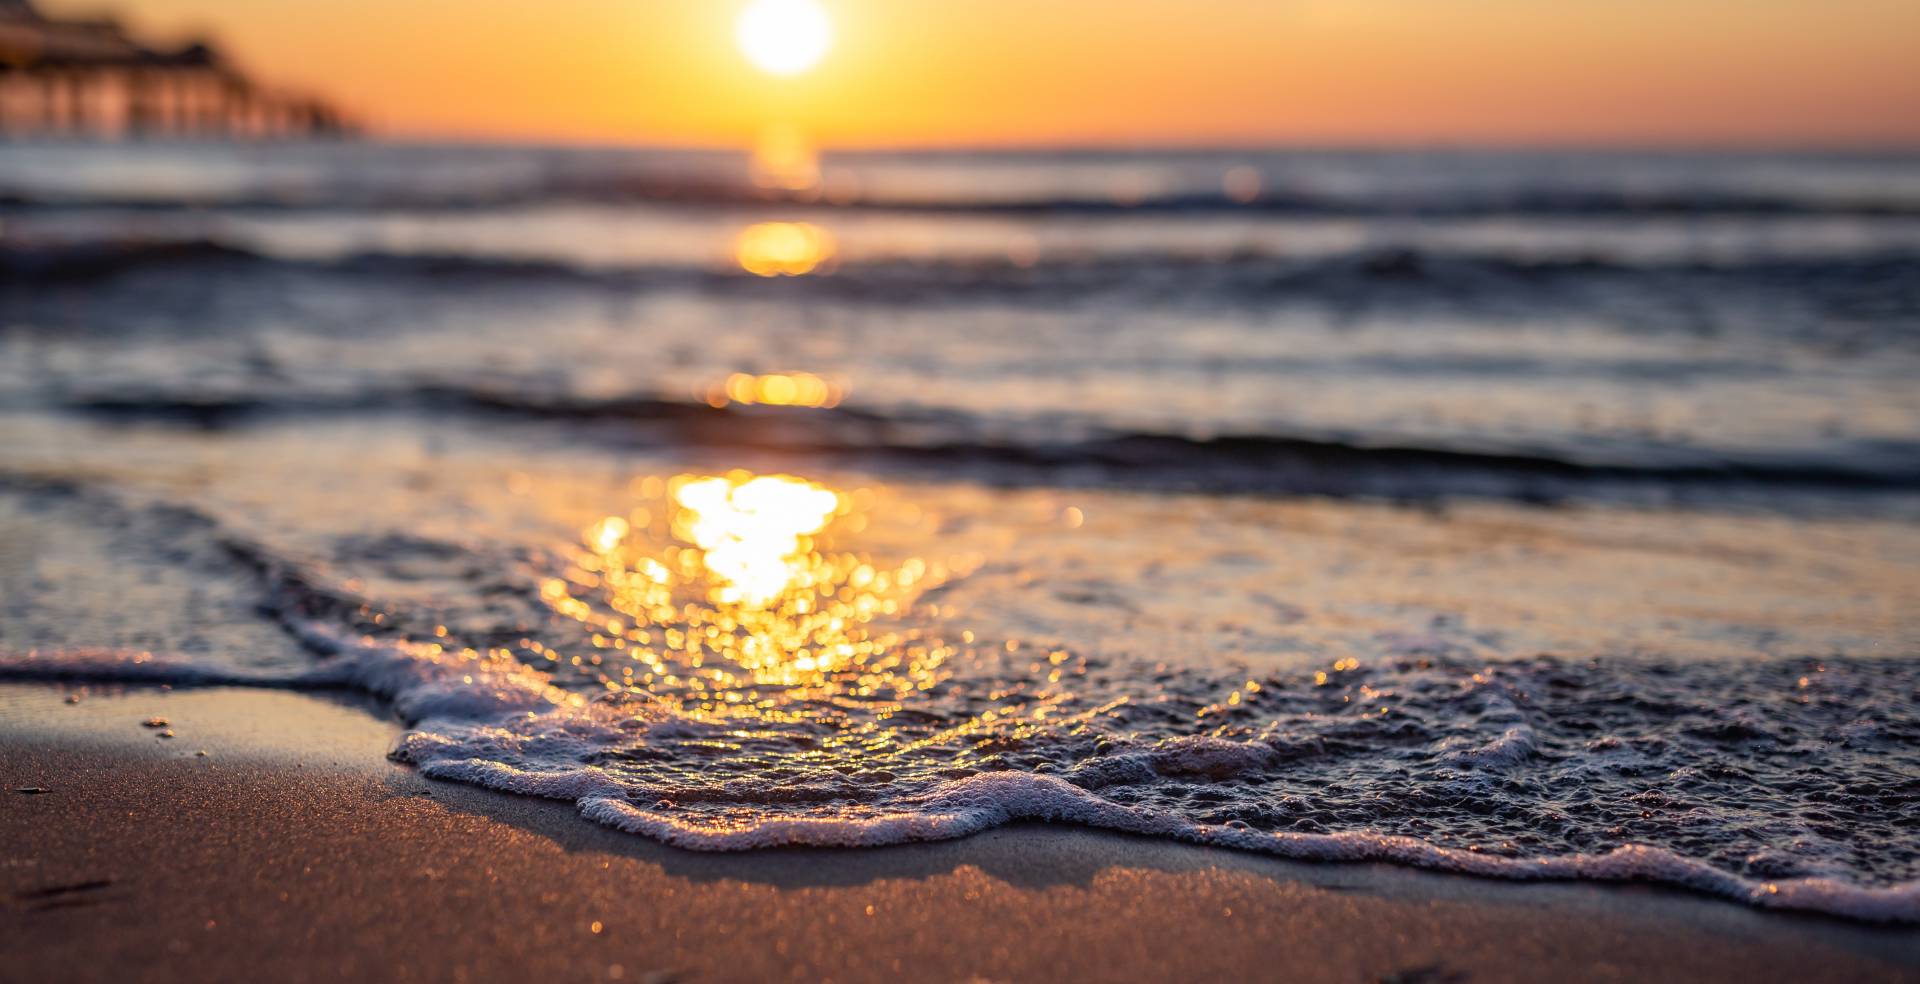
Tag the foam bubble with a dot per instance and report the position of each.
(496, 723)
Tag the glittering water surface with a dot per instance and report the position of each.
(726, 659)
(1526, 516)
(797, 683)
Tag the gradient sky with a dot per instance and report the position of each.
(913, 72)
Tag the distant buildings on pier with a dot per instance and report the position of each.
(77, 78)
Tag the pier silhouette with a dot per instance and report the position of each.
(90, 78)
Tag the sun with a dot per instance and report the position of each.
(784, 37)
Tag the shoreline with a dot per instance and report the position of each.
(294, 847)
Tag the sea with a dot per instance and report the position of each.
(1525, 514)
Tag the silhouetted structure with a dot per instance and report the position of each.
(87, 77)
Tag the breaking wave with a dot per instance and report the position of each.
(492, 722)
(1777, 782)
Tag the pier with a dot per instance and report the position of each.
(90, 78)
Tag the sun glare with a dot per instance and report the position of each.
(784, 37)
(753, 530)
(782, 249)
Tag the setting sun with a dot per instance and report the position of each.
(784, 37)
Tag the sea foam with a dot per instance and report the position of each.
(496, 723)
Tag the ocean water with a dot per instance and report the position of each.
(1528, 515)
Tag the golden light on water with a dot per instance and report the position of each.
(607, 533)
(782, 249)
(784, 159)
(752, 532)
(777, 389)
(716, 595)
(743, 601)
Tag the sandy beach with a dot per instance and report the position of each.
(293, 849)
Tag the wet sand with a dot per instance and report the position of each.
(293, 849)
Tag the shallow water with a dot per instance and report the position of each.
(1548, 521)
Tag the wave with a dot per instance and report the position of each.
(1890, 275)
(1777, 782)
(1025, 450)
(465, 712)
(1537, 204)
(26, 264)
(723, 192)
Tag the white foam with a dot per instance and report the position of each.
(1192, 755)
(1512, 747)
(496, 723)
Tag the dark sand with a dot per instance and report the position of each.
(294, 851)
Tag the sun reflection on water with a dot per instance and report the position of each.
(777, 389)
(751, 533)
(783, 249)
(785, 160)
(724, 603)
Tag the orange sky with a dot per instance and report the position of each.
(909, 72)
